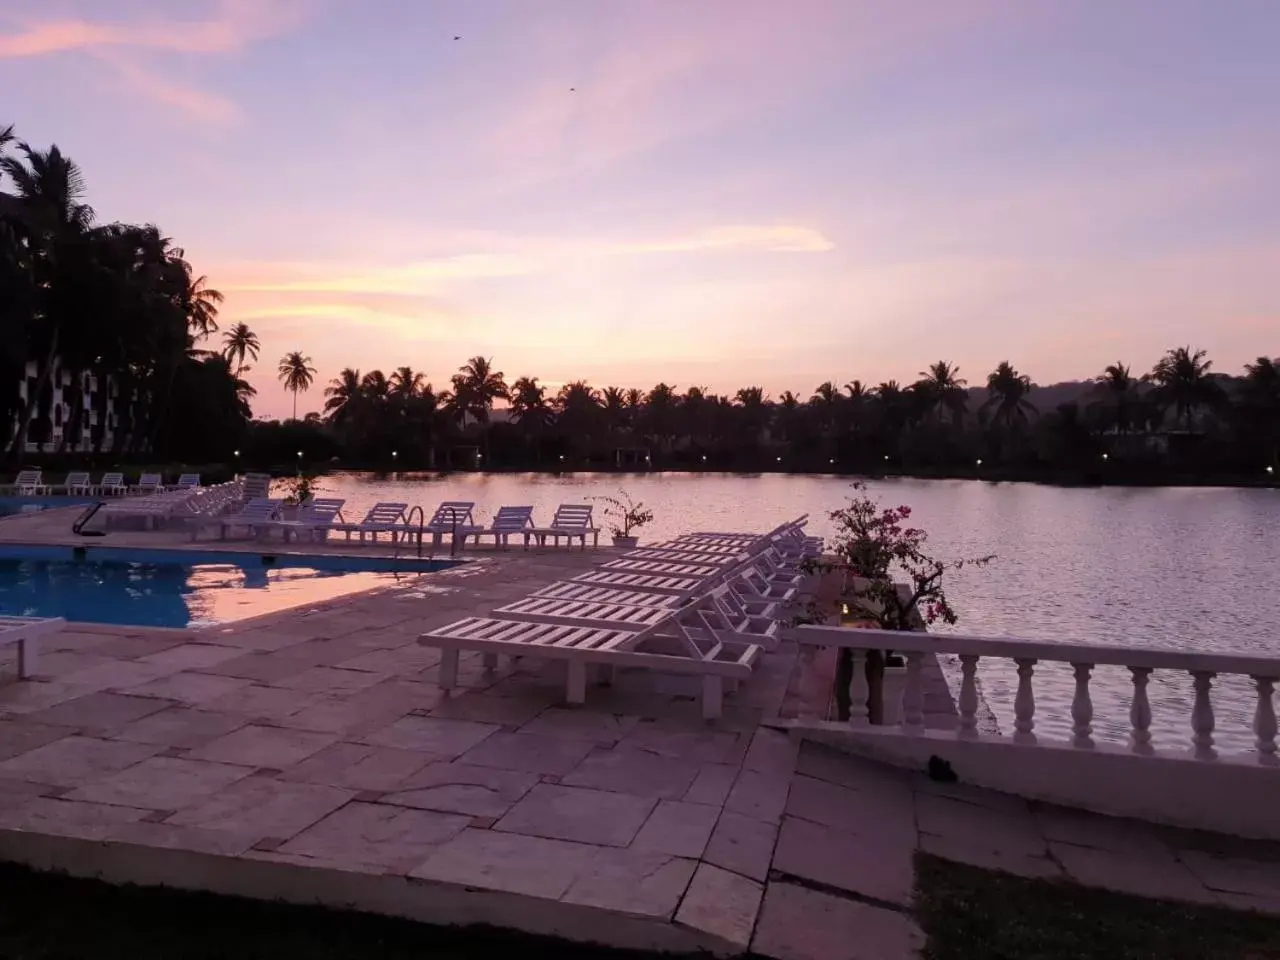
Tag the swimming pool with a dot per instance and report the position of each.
(190, 588)
(12, 506)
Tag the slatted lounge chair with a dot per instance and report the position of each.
(149, 483)
(77, 484)
(384, 517)
(662, 567)
(315, 519)
(568, 590)
(256, 486)
(665, 555)
(648, 583)
(751, 584)
(571, 520)
(453, 517)
(188, 481)
(28, 483)
(26, 633)
(112, 485)
(664, 647)
(508, 522)
(152, 510)
(252, 515)
(705, 549)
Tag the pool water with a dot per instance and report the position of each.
(182, 589)
(13, 506)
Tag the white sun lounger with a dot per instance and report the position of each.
(568, 590)
(664, 647)
(649, 583)
(453, 517)
(664, 555)
(663, 568)
(508, 522)
(385, 517)
(77, 484)
(255, 486)
(188, 481)
(28, 483)
(112, 485)
(254, 514)
(149, 483)
(26, 633)
(315, 519)
(571, 520)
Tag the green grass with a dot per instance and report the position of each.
(973, 914)
(48, 916)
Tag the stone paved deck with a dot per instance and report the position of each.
(310, 755)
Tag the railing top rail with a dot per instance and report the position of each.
(824, 635)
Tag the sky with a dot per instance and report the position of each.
(717, 193)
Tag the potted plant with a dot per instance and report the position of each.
(298, 491)
(624, 516)
(873, 544)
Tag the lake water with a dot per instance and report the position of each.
(1190, 568)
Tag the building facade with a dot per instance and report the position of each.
(79, 413)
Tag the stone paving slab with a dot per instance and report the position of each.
(315, 747)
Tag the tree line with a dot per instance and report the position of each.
(1179, 414)
(110, 314)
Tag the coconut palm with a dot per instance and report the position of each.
(1183, 384)
(1119, 402)
(297, 375)
(1260, 404)
(1007, 401)
(202, 307)
(943, 392)
(240, 344)
(342, 395)
(406, 383)
(476, 386)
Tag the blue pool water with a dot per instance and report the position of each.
(157, 588)
(15, 505)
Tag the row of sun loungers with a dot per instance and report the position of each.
(707, 604)
(262, 516)
(30, 483)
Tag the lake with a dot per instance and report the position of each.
(1190, 568)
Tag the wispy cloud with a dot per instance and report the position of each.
(231, 26)
(518, 257)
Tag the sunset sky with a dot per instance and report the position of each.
(776, 192)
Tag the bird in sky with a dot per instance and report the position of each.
(457, 38)
(572, 89)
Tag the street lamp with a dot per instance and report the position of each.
(979, 461)
(779, 459)
(394, 454)
(235, 453)
(1106, 456)
(1271, 471)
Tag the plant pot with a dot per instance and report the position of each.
(625, 543)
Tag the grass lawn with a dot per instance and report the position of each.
(973, 914)
(44, 916)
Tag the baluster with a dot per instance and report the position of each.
(968, 695)
(858, 691)
(1140, 711)
(913, 695)
(1264, 719)
(1024, 704)
(1202, 715)
(1082, 707)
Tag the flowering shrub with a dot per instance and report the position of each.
(299, 489)
(624, 515)
(890, 579)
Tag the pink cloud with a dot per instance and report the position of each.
(208, 108)
(234, 25)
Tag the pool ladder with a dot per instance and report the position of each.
(78, 527)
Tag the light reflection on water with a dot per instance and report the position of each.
(1190, 568)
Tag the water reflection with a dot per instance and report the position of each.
(167, 595)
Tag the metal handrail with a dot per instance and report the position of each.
(408, 522)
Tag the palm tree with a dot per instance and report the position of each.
(1007, 395)
(531, 411)
(1183, 383)
(476, 386)
(341, 396)
(297, 374)
(616, 414)
(1260, 406)
(202, 305)
(943, 391)
(406, 383)
(49, 190)
(1119, 402)
(238, 344)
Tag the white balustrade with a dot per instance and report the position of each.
(1202, 668)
